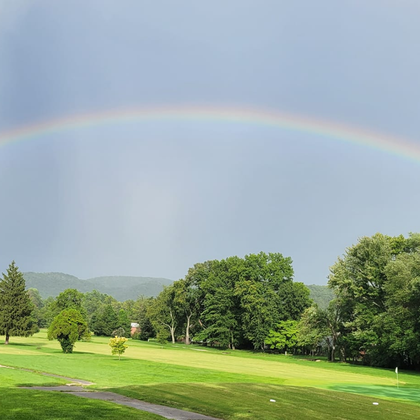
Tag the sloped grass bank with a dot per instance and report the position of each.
(224, 384)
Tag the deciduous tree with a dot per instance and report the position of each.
(118, 346)
(165, 312)
(68, 327)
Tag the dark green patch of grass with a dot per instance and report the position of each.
(402, 393)
(19, 404)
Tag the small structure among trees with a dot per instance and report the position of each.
(15, 305)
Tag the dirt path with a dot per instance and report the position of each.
(161, 410)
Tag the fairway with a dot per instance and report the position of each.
(223, 384)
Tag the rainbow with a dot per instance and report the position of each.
(247, 116)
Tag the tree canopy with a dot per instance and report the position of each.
(234, 302)
(378, 297)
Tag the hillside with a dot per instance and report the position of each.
(128, 287)
(120, 287)
(321, 295)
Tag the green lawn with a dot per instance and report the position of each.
(22, 404)
(224, 384)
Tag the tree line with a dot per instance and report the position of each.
(253, 303)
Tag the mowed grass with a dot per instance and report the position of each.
(22, 404)
(224, 384)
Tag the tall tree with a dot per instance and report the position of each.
(69, 299)
(358, 280)
(221, 315)
(165, 312)
(399, 329)
(15, 305)
(376, 283)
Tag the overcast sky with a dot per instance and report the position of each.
(153, 198)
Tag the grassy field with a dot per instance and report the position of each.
(224, 384)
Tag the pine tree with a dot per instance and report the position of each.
(15, 305)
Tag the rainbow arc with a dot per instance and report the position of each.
(234, 115)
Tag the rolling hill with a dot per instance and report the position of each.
(321, 295)
(127, 287)
(120, 287)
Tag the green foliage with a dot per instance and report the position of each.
(124, 323)
(38, 308)
(69, 299)
(68, 327)
(165, 312)
(377, 288)
(92, 302)
(118, 345)
(284, 337)
(16, 318)
(104, 321)
(237, 301)
(311, 330)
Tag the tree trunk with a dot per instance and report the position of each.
(187, 330)
(343, 354)
(332, 353)
(172, 327)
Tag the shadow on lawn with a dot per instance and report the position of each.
(37, 345)
(402, 393)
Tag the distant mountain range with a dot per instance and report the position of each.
(321, 295)
(120, 287)
(125, 287)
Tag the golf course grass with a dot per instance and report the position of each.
(222, 384)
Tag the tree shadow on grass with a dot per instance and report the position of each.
(37, 345)
(401, 393)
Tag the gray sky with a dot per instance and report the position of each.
(153, 198)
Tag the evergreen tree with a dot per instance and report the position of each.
(15, 305)
(104, 321)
